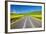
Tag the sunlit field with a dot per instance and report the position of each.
(15, 17)
(37, 15)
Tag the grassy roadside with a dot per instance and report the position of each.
(14, 17)
(37, 16)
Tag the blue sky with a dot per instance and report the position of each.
(24, 8)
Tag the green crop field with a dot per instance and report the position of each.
(37, 14)
(14, 17)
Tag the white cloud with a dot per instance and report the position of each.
(13, 12)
